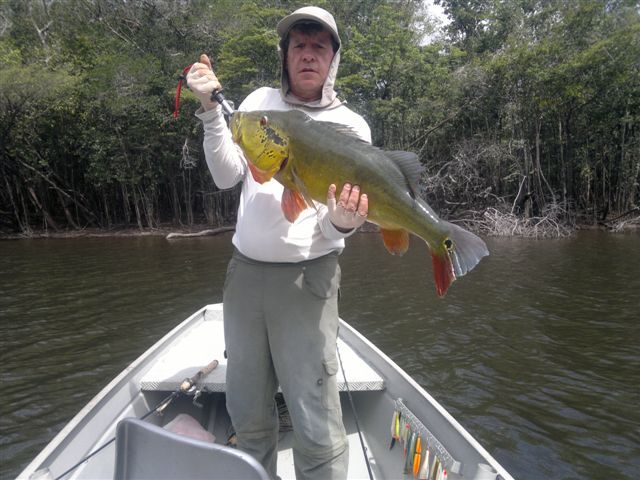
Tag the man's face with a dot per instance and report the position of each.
(308, 60)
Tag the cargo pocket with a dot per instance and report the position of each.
(322, 278)
(330, 394)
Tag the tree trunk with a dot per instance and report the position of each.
(136, 207)
(107, 214)
(125, 204)
(67, 213)
(175, 200)
(45, 213)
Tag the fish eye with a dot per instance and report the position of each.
(448, 244)
(264, 121)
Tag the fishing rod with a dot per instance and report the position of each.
(355, 416)
(219, 97)
(187, 387)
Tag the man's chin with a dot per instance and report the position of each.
(308, 92)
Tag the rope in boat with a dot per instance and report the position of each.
(355, 416)
(184, 388)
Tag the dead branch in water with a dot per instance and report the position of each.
(500, 224)
(621, 222)
(202, 233)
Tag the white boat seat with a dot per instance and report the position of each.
(147, 452)
(205, 342)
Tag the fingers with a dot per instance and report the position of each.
(200, 70)
(363, 205)
(351, 210)
(352, 201)
(205, 60)
(202, 81)
(331, 193)
(196, 81)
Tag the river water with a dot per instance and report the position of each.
(536, 352)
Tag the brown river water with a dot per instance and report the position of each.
(536, 352)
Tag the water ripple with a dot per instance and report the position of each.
(534, 352)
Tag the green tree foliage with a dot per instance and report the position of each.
(561, 86)
(527, 107)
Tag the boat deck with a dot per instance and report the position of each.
(204, 342)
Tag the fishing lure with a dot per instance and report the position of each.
(436, 468)
(395, 428)
(408, 463)
(416, 457)
(424, 470)
(181, 78)
(406, 436)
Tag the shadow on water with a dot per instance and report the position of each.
(534, 352)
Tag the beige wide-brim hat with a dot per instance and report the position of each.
(314, 14)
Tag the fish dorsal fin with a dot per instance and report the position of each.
(410, 166)
(292, 204)
(343, 129)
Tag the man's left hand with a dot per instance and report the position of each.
(351, 209)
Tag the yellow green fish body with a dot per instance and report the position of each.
(306, 156)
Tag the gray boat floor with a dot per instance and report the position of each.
(357, 463)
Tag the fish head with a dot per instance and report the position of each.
(263, 141)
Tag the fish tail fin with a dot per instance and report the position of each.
(458, 253)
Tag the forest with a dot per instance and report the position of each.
(524, 112)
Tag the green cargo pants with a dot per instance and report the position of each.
(281, 326)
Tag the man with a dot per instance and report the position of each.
(281, 290)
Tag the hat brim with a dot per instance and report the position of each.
(285, 25)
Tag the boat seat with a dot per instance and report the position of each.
(148, 452)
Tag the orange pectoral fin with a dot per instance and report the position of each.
(396, 241)
(292, 204)
(258, 175)
(443, 273)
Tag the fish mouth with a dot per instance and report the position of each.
(283, 164)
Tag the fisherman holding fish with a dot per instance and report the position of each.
(281, 289)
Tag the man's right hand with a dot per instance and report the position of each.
(202, 82)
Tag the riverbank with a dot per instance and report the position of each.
(162, 231)
(200, 231)
(180, 231)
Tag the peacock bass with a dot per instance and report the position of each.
(306, 156)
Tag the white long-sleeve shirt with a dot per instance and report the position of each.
(262, 232)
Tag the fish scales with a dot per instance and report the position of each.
(306, 156)
(355, 161)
